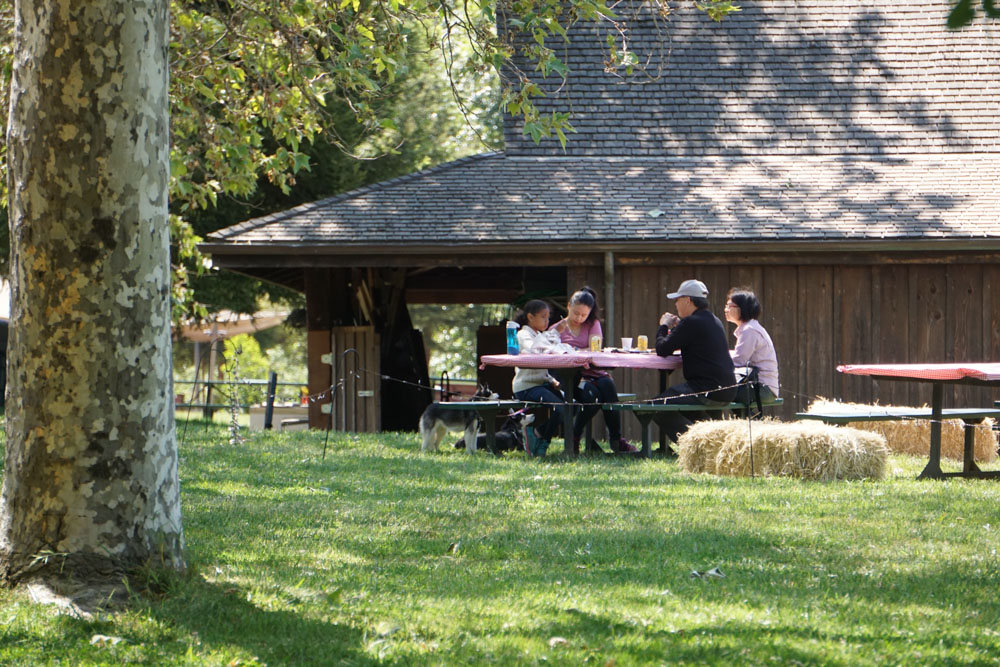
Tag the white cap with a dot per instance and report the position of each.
(690, 288)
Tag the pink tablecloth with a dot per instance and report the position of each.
(584, 359)
(974, 371)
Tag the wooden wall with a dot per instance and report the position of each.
(355, 370)
(820, 316)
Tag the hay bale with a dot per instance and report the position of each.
(808, 450)
(700, 445)
(913, 436)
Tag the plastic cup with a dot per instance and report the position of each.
(626, 344)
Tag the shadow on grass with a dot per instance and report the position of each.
(222, 619)
(382, 519)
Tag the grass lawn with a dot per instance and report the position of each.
(379, 554)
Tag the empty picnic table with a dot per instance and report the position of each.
(977, 374)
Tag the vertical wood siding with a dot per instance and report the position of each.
(821, 316)
(358, 396)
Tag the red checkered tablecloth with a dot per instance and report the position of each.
(584, 359)
(961, 371)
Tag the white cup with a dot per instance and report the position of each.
(626, 343)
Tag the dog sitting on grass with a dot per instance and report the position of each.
(510, 436)
(436, 421)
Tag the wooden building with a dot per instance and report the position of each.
(839, 157)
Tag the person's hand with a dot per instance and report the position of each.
(555, 383)
(561, 325)
(669, 319)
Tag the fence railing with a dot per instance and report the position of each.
(210, 403)
(446, 389)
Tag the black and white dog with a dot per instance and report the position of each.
(510, 437)
(436, 421)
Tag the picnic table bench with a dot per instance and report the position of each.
(938, 375)
(647, 412)
(488, 411)
(644, 412)
(969, 416)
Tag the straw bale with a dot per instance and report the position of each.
(808, 450)
(913, 436)
(701, 443)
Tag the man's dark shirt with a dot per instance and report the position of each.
(705, 354)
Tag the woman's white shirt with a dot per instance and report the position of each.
(754, 348)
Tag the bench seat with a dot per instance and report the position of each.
(646, 412)
(968, 415)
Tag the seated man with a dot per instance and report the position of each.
(708, 367)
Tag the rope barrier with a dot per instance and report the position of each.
(357, 375)
(784, 391)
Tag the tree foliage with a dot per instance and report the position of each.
(964, 13)
(257, 86)
(450, 334)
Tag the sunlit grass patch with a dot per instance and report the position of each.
(378, 553)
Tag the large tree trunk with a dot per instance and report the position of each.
(90, 484)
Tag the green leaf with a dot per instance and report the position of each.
(300, 161)
(559, 67)
(534, 129)
(961, 15)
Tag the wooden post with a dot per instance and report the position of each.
(609, 299)
(319, 321)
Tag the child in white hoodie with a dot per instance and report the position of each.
(537, 384)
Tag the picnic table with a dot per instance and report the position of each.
(582, 359)
(977, 374)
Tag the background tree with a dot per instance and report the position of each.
(431, 129)
(260, 90)
(450, 334)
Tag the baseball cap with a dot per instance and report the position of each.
(690, 288)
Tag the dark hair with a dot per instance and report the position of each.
(585, 296)
(533, 307)
(699, 302)
(746, 301)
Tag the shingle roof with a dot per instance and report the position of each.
(497, 197)
(784, 77)
(792, 120)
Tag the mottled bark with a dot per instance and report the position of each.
(90, 484)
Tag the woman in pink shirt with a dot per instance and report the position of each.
(753, 344)
(596, 386)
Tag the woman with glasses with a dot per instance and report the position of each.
(753, 344)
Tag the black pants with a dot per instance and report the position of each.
(598, 390)
(674, 424)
